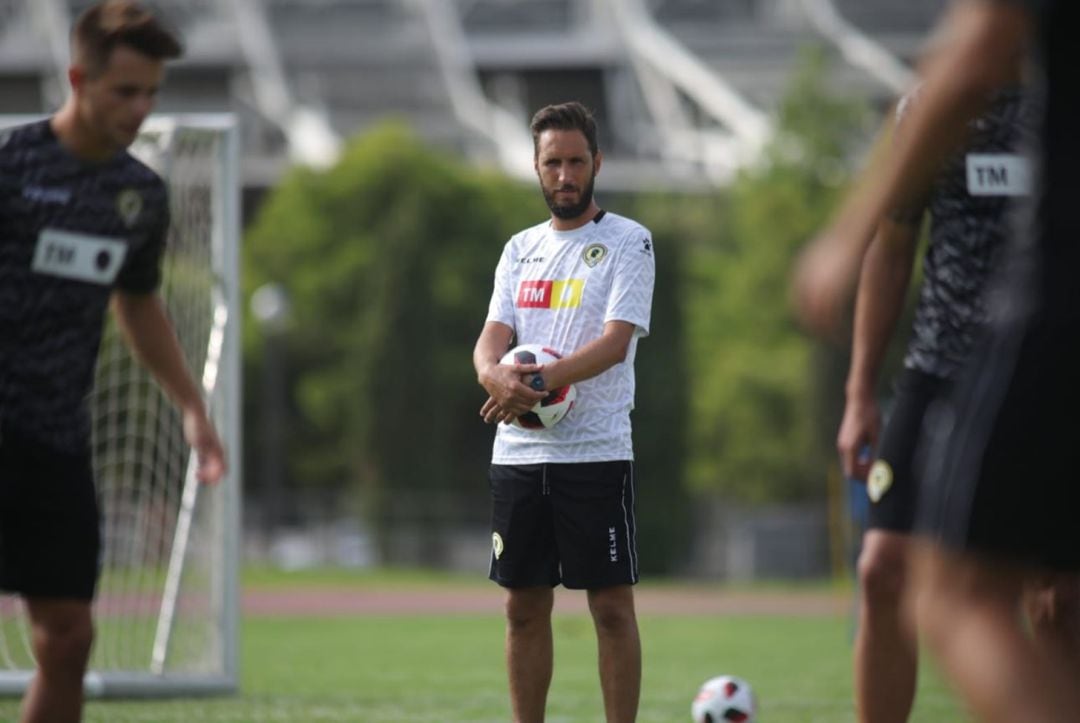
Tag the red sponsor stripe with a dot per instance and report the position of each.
(534, 295)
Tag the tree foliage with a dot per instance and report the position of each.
(756, 416)
(389, 260)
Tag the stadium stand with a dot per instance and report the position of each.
(688, 83)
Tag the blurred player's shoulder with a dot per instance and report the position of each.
(140, 171)
(20, 137)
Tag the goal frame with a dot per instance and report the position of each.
(224, 398)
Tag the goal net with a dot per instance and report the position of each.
(166, 606)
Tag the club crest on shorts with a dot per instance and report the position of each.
(879, 481)
(497, 544)
(594, 254)
(129, 206)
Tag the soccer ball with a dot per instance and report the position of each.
(550, 410)
(722, 699)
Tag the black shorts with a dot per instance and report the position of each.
(1002, 475)
(564, 523)
(50, 536)
(891, 484)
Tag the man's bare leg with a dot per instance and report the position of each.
(619, 647)
(968, 608)
(529, 650)
(1052, 605)
(886, 646)
(62, 633)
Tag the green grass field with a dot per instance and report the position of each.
(450, 668)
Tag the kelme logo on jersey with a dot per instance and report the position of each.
(539, 294)
(129, 206)
(594, 254)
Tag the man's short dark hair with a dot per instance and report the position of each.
(572, 116)
(105, 25)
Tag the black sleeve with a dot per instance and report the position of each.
(142, 269)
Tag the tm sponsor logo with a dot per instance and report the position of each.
(544, 294)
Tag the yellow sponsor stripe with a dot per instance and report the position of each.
(567, 294)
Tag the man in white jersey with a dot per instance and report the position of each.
(563, 498)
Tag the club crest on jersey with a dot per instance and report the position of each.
(129, 205)
(879, 480)
(594, 254)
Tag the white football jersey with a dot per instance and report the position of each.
(559, 288)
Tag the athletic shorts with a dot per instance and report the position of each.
(50, 536)
(564, 523)
(891, 484)
(1002, 476)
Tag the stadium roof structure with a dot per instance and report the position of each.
(684, 90)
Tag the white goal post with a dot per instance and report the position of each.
(167, 604)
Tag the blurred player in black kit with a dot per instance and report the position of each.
(970, 208)
(1000, 494)
(82, 228)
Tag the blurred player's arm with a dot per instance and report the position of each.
(982, 49)
(883, 283)
(149, 333)
(508, 396)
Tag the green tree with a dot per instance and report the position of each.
(757, 415)
(389, 259)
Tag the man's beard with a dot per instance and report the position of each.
(568, 212)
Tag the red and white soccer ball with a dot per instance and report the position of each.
(724, 698)
(550, 410)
